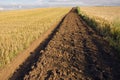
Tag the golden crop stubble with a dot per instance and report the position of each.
(21, 27)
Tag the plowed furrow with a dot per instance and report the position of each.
(75, 52)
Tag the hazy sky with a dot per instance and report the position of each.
(16, 4)
(82, 2)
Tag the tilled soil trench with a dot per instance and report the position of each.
(75, 52)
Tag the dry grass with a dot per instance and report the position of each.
(108, 13)
(106, 21)
(111, 14)
(20, 28)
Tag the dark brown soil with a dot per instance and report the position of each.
(75, 52)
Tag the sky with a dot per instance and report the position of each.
(49, 3)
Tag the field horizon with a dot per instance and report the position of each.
(60, 43)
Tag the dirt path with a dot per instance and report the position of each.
(26, 57)
(75, 52)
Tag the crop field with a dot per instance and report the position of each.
(77, 48)
(73, 53)
(108, 13)
(111, 14)
(19, 28)
(106, 20)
